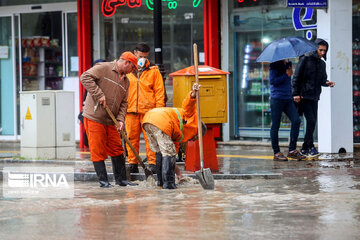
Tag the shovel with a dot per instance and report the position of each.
(146, 170)
(205, 177)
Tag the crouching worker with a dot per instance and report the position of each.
(107, 85)
(166, 128)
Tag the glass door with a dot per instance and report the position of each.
(71, 45)
(254, 30)
(41, 62)
(7, 91)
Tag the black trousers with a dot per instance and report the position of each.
(310, 108)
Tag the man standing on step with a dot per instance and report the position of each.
(310, 75)
(107, 85)
(146, 91)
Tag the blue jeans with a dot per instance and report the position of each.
(278, 106)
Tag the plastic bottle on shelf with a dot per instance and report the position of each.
(356, 47)
(355, 67)
(51, 70)
(355, 87)
(354, 107)
(356, 71)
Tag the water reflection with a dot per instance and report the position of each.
(315, 205)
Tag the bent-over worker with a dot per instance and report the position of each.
(107, 85)
(166, 128)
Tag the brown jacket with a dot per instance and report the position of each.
(103, 79)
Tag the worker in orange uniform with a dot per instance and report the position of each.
(146, 92)
(166, 128)
(107, 85)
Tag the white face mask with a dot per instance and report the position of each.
(141, 63)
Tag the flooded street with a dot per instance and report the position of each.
(303, 204)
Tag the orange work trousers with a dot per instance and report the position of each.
(133, 124)
(103, 140)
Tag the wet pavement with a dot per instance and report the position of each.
(311, 200)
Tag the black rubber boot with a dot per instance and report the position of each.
(158, 169)
(119, 170)
(168, 172)
(133, 168)
(100, 170)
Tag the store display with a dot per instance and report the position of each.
(41, 63)
(255, 86)
(255, 79)
(356, 89)
(356, 72)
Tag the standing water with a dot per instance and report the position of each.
(316, 205)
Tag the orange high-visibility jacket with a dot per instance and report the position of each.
(168, 120)
(147, 92)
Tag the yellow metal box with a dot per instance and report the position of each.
(213, 91)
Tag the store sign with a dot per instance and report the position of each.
(301, 22)
(108, 7)
(171, 4)
(241, 1)
(308, 3)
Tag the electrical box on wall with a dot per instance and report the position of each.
(47, 124)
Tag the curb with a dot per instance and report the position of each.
(91, 176)
(141, 177)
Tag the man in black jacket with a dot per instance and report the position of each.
(310, 75)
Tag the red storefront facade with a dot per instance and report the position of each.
(206, 15)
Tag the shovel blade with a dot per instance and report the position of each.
(206, 179)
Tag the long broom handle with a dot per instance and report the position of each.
(196, 63)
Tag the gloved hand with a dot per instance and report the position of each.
(195, 88)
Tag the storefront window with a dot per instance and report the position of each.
(41, 42)
(356, 69)
(255, 24)
(72, 46)
(36, 59)
(182, 25)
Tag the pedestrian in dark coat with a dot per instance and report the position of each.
(310, 75)
(281, 101)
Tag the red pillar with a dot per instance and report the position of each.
(211, 42)
(84, 49)
(212, 57)
(211, 32)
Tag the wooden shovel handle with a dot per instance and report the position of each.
(126, 139)
(196, 64)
